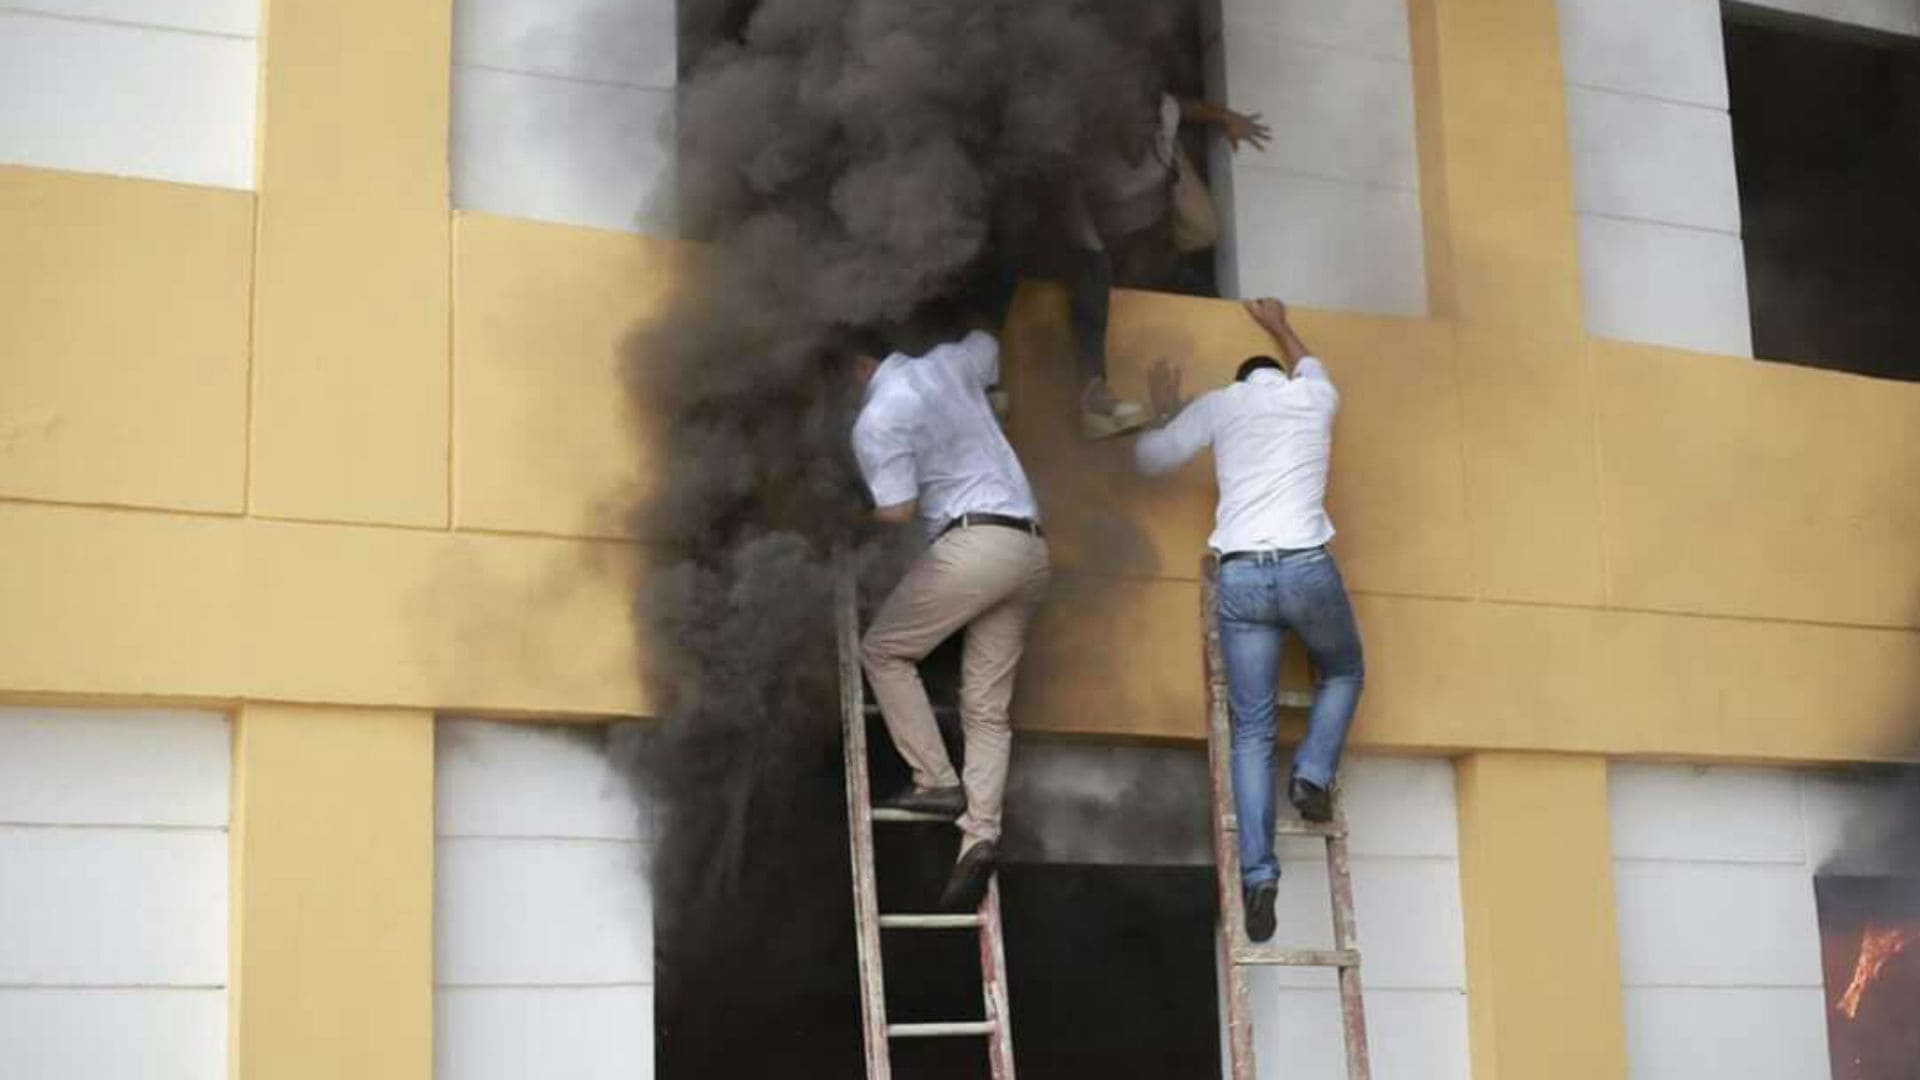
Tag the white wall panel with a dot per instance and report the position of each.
(563, 111)
(233, 18)
(85, 767)
(1753, 1034)
(561, 150)
(542, 911)
(1667, 49)
(1411, 1034)
(582, 1033)
(1706, 813)
(1400, 806)
(1654, 160)
(1334, 114)
(497, 779)
(1326, 243)
(543, 915)
(113, 894)
(1371, 27)
(1719, 930)
(1716, 924)
(112, 907)
(113, 1034)
(1329, 214)
(630, 42)
(1665, 285)
(126, 99)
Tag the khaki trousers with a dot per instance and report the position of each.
(988, 579)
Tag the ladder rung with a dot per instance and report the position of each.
(1293, 699)
(930, 922)
(1292, 827)
(890, 815)
(935, 1030)
(1265, 954)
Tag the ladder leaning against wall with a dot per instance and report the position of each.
(1237, 954)
(875, 1030)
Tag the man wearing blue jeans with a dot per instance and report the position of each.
(1272, 436)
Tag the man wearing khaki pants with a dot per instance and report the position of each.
(929, 446)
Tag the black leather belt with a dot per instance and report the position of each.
(966, 521)
(1266, 554)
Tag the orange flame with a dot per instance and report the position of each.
(1877, 946)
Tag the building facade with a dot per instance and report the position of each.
(316, 669)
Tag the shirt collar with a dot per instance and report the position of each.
(1267, 375)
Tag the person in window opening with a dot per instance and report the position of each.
(1271, 431)
(929, 447)
(1121, 216)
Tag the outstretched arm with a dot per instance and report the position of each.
(1238, 127)
(1271, 314)
(1181, 429)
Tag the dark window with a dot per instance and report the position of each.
(1826, 133)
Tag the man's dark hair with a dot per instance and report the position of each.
(1255, 363)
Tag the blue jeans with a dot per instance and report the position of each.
(1259, 599)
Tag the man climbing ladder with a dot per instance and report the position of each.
(1271, 431)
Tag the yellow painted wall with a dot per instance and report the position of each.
(1536, 893)
(1556, 543)
(332, 864)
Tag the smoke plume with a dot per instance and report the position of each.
(843, 163)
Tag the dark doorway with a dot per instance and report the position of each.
(1826, 133)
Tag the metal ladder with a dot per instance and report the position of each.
(1237, 954)
(875, 1031)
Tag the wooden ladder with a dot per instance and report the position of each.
(1237, 954)
(876, 1033)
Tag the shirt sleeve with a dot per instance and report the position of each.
(1310, 367)
(979, 357)
(1180, 441)
(885, 453)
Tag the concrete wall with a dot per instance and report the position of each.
(543, 918)
(1719, 936)
(113, 894)
(564, 111)
(1654, 186)
(163, 89)
(1329, 215)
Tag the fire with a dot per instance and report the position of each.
(1877, 946)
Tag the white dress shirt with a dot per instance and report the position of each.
(927, 432)
(1272, 439)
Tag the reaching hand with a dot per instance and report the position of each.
(1270, 313)
(1248, 129)
(1163, 388)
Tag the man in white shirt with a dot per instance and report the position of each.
(929, 446)
(1271, 432)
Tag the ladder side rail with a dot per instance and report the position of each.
(993, 985)
(1353, 1014)
(1226, 847)
(866, 903)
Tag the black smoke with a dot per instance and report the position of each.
(843, 164)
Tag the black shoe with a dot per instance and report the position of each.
(968, 884)
(1311, 800)
(948, 802)
(1258, 900)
